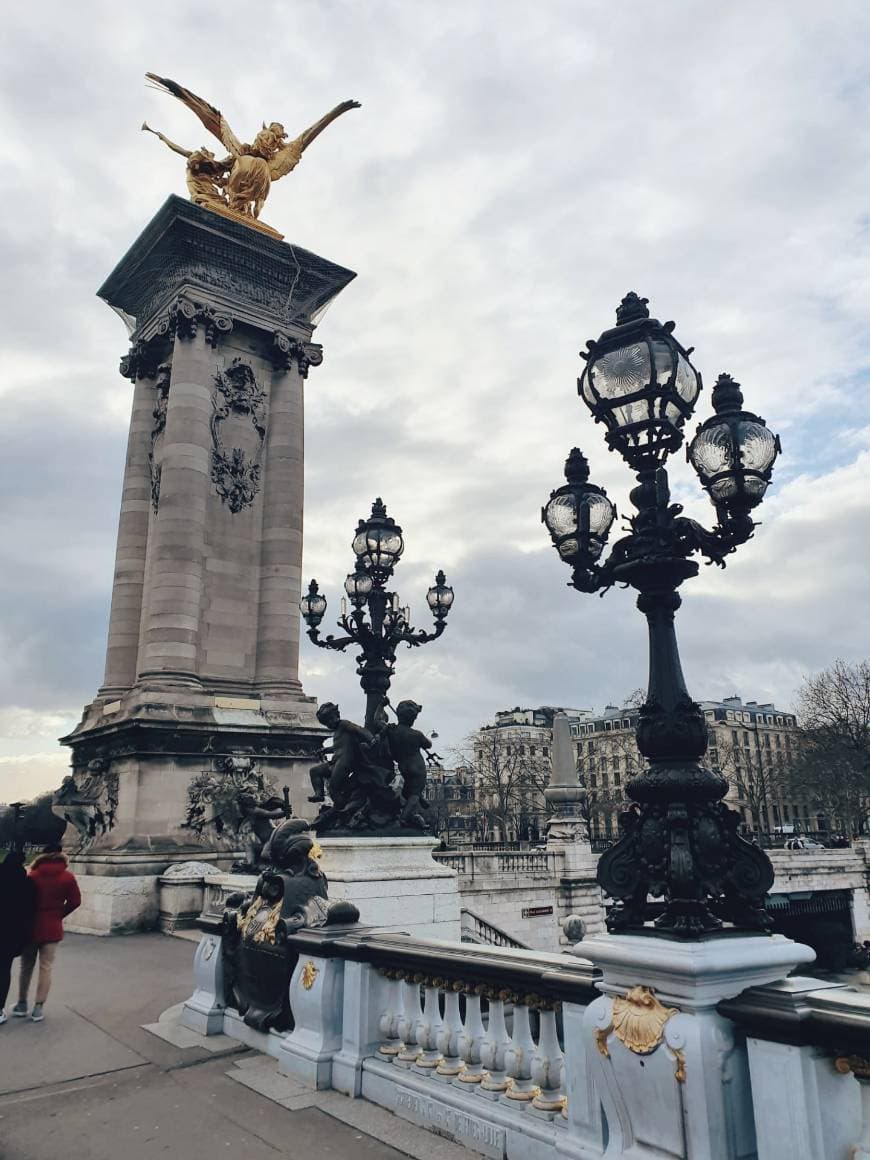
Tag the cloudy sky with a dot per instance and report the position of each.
(514, 170)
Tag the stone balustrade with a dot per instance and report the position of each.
(497, 864)
(518, 1053)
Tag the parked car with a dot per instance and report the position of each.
(803, 844)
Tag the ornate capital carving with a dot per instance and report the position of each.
(142, 360)
(286, 351)
(185, 316)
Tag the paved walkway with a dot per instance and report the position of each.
(90, 1084)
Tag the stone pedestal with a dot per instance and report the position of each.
(396, 884)
(672, 1073)
(202, 656)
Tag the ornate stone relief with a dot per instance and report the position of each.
(185, 316)
(286, 351)
(161, 402)
(88, 800)
(638, 1021)
(236, 474)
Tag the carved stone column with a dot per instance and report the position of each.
(281, 543)
(171, 628)
(202, 662)
(124, 619)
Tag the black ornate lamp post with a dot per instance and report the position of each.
(377, 545)
(679, 840)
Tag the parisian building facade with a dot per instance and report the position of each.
(752, 744)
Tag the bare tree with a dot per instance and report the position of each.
(605, 763)
(832, 768)
(509, 779)
(759, 777)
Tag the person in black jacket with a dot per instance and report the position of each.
(17, 903)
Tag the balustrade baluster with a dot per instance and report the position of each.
(389, 1021)
(410, 1021)
(548, 1066)
(518, 1057)
(448, 1036)
(471, 1039)
(495, 1045)
(429, 1028)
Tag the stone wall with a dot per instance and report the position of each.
(823, 870)
(528, 894)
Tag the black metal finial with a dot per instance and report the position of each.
(576, 466)
(379, 508)
(440, 578)
(727, 395)
(631, 308)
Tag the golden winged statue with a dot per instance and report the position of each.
(238, 184)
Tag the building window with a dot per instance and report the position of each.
(593, 781)
(546, 751)
(617, 778)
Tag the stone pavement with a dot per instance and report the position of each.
(91, 1084)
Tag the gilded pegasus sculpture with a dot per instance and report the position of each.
(238, 185)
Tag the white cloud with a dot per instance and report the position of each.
(513, 171)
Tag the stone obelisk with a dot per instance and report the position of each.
(580, 909)
(202, 657)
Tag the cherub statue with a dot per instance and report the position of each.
(252, 167)
(258, 822)
(359, 784)
(406, 748)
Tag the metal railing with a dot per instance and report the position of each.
(476, 929)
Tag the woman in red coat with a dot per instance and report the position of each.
(57, 895)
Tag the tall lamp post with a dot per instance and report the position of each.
(377, 545)
(679, 841)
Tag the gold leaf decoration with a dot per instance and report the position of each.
(639, 1020)
(309, 974)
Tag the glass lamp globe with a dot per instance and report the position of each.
(313, 605)
(440, 596)
(358, 585)
(378, 542)
(578, 515)
(733, 452)
(639, 382)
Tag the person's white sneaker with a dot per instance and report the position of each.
(36, 1015)
(3, 1018)
(20, 1009)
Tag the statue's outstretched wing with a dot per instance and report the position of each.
(288, 157)
(212, 118)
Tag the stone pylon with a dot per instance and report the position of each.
(202, 659)
(579, 897)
